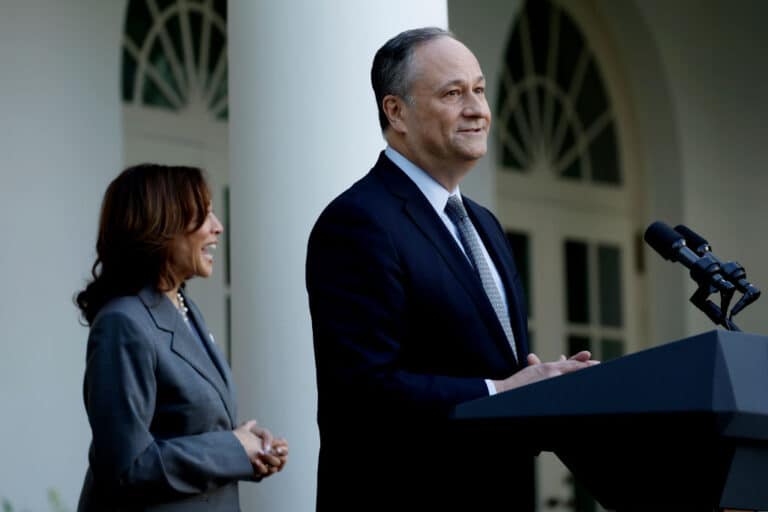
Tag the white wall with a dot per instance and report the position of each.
(60, 141)
(713, 54)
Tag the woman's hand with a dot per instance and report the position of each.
(267, 456)
(276, 458)
(254, 440)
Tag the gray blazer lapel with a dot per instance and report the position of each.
(216, 356)
(184, 344)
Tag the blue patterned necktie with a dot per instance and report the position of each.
(471, 242)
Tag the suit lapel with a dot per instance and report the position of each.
(184, 343)
(421, 213)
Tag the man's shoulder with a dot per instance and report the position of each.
(369, 194)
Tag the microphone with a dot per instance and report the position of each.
(732, 270)
(672, 246)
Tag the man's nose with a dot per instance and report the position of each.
(475, 106)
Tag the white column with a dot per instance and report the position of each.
(60, 141)
(303, 127)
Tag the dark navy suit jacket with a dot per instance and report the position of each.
(162, 407)
(403, 331)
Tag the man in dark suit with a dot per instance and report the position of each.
(417, 305)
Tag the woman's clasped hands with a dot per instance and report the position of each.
(267, 454)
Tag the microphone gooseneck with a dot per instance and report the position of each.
(732, 270)
(684, 245)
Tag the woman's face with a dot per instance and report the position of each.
(193, 252)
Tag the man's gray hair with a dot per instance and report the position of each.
(391, 73)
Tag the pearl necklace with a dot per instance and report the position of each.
(182, 307)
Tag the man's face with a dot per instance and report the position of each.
(448, 120)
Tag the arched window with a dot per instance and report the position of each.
(553, 111)
(175, 55)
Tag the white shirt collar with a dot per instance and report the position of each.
(435, 193)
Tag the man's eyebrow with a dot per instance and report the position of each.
(459, 81)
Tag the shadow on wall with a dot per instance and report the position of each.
(54, 500)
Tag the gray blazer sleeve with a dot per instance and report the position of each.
(121, 389)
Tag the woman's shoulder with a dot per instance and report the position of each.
(126, 314)
(129, 306)
(122, 333)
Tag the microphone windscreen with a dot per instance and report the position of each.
(663, 239)
(692, 239)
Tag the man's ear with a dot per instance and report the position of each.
(395, 109)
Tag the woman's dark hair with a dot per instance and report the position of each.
(144, 209)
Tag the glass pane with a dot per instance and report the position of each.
(573, 171)
(570, 47)
(514, 55)
(217, 45)
(558, 111)
(510, 130)
(577, 344)
(591, 102)
(220, 6)
(221, 91)
(162, 5)
(605, 158)
(520, 250)
(173, 26)
(528, 101)
(508, 160)
(129, 76)
(541, 95)
(609, 285)
(577, 282)
(138, 21)
(538, 28)
(152, 95)
(196, 29)
(611, 349)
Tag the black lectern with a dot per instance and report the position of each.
(682, 426)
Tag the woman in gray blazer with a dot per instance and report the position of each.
(159, 395)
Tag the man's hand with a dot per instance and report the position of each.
(536, 370)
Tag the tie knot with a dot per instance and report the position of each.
(454, 208)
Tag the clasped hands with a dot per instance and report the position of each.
(267, 454)
(536, 370)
